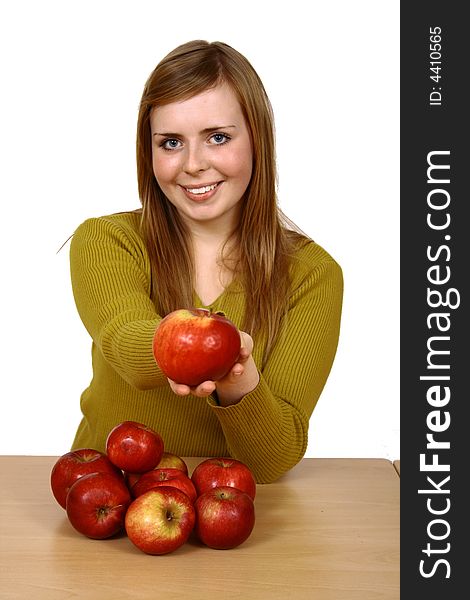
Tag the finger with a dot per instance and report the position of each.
(204, 389)
(237, 370)
(244, 354)
(179, 388)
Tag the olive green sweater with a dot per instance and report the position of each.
(267, 429)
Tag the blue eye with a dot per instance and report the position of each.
(170, 144)
(220, 138)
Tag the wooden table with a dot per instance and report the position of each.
(328, 530)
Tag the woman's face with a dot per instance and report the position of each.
(202, 156)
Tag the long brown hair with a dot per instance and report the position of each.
(264, 243)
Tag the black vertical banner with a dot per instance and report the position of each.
(434, 259)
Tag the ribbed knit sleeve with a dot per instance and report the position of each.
(111, 286)
(268, 428)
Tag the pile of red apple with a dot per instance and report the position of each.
(138, 487)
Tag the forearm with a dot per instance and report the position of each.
(128, 348)
(264, 432)
(110, 282)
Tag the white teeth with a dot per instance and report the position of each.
(202, 190)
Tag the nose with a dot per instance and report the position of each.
(195, 159)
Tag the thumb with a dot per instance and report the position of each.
(246, 342)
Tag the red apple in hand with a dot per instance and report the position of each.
(217, 472)
(134, 447)
(160, 521)
(225, 517)
(164, 477)
(194, 345)
(71, 466)
(97, 503)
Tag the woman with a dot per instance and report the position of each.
(209, 234)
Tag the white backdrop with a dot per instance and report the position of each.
(72, 75)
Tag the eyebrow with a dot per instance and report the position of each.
(206, 130)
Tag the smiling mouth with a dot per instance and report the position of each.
(202, 190)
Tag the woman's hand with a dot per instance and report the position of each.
(242, 378)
